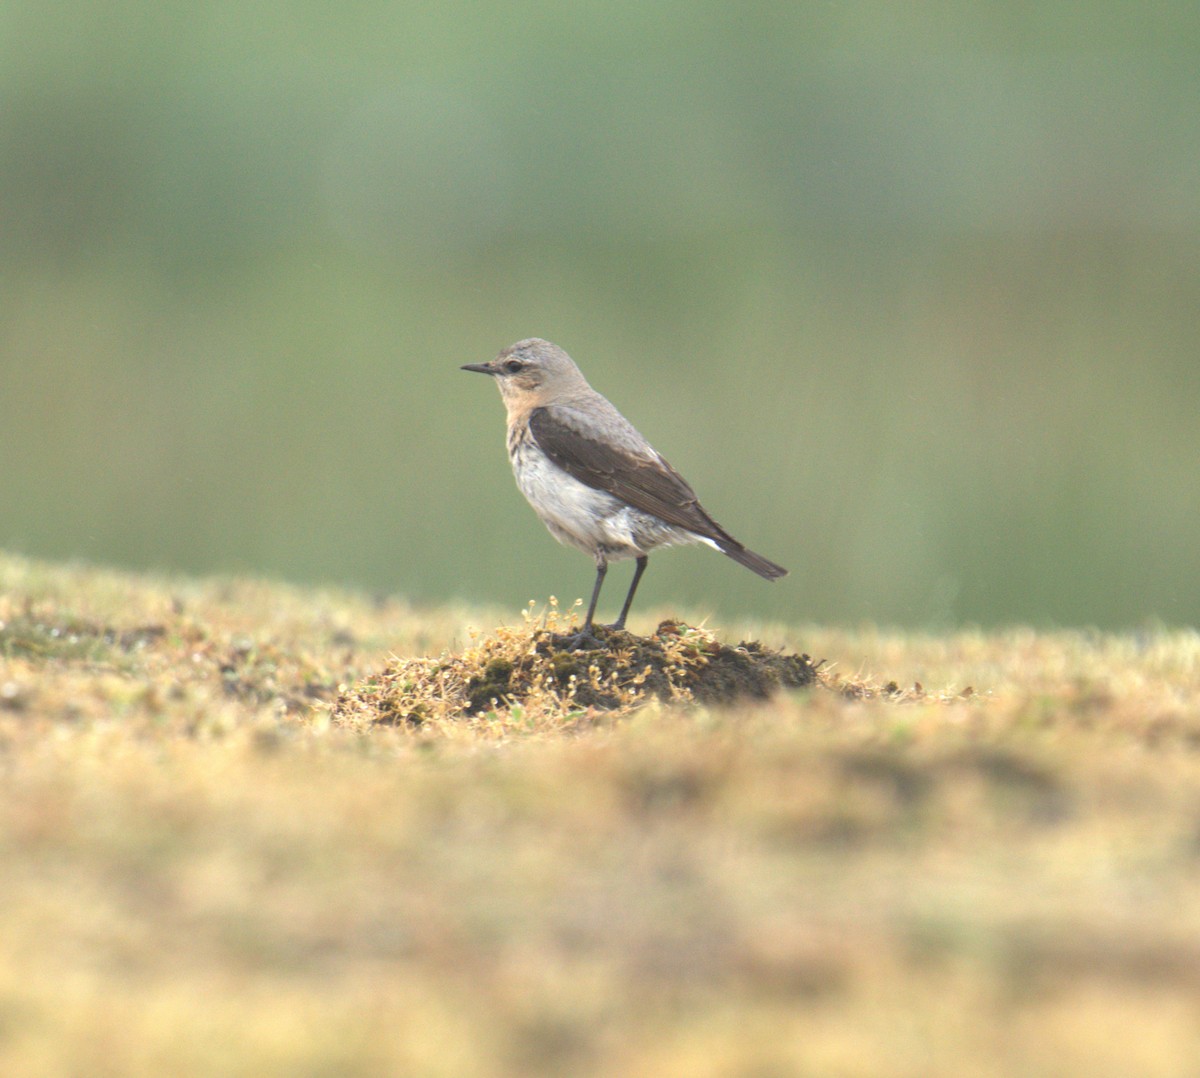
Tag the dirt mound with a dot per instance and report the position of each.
(543, 674)
(716, 674)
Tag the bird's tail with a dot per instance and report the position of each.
(768, 570)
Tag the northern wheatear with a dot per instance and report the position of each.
(596, 483)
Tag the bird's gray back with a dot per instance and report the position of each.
(593, 416)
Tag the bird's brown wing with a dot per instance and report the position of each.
(646, 483)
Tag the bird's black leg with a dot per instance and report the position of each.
(642, 562)
(601, 569)
(586, 639)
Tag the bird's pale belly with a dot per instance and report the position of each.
(581, 516)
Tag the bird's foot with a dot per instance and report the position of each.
(585, 640)
(592, 637)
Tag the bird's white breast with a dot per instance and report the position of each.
(582, 516)
(573, 511)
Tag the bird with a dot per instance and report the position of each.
(593, 479)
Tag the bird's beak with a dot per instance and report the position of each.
(482, 368)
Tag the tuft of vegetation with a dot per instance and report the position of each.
(537, 672)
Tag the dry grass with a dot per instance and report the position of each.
(203, 873)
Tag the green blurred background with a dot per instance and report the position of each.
(911, 294)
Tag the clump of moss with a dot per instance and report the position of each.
(492, 684)
(534, 673)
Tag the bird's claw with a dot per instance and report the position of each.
(585, 640)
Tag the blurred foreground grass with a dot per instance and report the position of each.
(204, 875)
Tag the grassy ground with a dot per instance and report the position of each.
(201, 872)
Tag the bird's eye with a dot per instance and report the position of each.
(513, 366)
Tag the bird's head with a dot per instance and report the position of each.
(532, 373)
